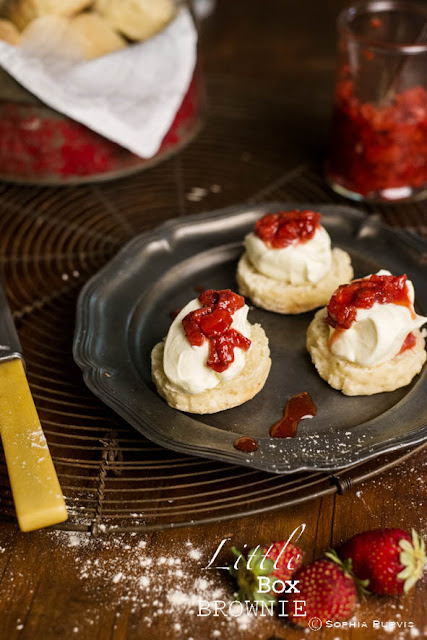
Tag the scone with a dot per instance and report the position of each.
(136, 19)
(51, 36)
(212, 358)
(94, 35)
(9, 33)
(368, 339)
(289, 266)
(22, 12)
(84, 37)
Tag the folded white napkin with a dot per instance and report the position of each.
(130, 96)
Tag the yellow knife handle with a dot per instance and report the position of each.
(36, 491)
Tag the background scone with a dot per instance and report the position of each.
(9, 33)
(212, 358)
(94, 35)
(51, 36)
(137, 19)
(368, 339)
(84, 37)
(22, 12)
(288, 265)
(81, 29)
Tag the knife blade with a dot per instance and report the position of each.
(35, 487)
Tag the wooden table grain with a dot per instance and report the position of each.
(270, 72)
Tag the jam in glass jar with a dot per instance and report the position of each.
(379, 129)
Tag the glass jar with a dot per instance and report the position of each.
(379, 128)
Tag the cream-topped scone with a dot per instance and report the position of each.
(289, 265)
(368, 339)
(212, 358)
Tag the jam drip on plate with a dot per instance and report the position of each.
(279, 230)
(245, 444)
(297, 408)
(363, 294)
(213, 322)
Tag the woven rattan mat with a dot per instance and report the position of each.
(51, 242)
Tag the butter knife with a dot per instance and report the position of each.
(35, 487)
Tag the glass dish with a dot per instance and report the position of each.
(379, 127)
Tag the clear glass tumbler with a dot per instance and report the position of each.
(379, 128)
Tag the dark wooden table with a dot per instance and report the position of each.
(270, 73)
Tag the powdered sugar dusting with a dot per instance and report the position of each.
(166, 587)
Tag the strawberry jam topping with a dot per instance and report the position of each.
(279, 230)
(213, 322)
(362, 294)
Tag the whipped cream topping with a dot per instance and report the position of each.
(185, 365)
(378, 333)
(299, 263)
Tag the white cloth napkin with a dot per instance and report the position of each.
(130, 96)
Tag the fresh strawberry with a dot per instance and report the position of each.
(287, 559)
(390, 559)
(327, 588)
(277, 561)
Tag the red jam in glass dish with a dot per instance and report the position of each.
(379, 148)
(213, 322)
(279, 230)
(363, 294)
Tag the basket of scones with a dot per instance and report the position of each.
(93, 89)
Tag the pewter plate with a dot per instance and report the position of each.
(124, 310)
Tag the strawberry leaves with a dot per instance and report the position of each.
(247, 574)
(413, 558)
